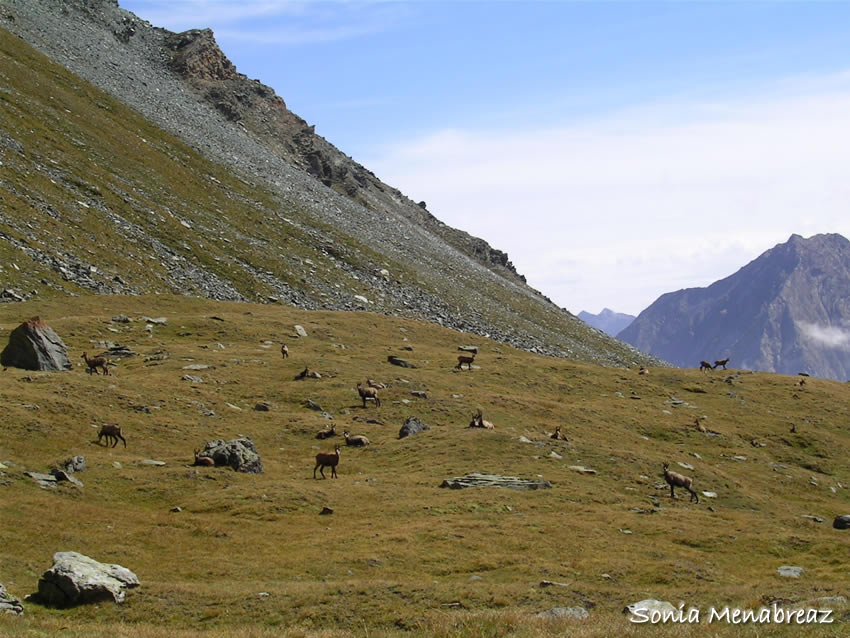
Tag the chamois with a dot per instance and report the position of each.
(284, 351)
(95, 363)
(326, 434)
(206, 461)
(557, 435)
(643, 371)
(720, 363)
(358, 440)
(112, 432)
(705, 365)
(479, 422)
(368, 393)
(674, 479)
(468, 359)
(327, 459)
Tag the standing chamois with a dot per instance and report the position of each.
(674, 479)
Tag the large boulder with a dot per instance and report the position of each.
(76, 579)
(240, 454)
(35, 346)
(412, 426)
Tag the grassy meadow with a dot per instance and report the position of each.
(250, 555)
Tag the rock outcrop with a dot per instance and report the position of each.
(35, 346)
(76, 579)
(240, 454)
(412, 426)
(493, 480)
(8, 604)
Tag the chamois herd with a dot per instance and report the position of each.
(112, 433)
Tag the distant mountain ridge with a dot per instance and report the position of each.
(608, 321)
(787, 311)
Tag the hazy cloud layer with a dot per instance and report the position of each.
(827, 336)
(616, 211)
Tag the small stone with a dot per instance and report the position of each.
(790, 572)
(555, 455)
(299, 330)
(577, 613)
(582, 469)
(263, 406)
(710, 494)
(687, 466)
(812, 517)
(176, 510)
(152, 463)
(325, 511)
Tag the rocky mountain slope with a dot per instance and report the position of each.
(172, 172)
(608, 321)
(787, 311)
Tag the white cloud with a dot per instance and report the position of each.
(827, 336)
(616, 211)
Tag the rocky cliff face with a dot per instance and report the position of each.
(787, 311)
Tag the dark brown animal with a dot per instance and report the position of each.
(705, 365)
(468, 359)
(112, 432)
(284, 351)
(720, 363)
(479, 422)
(674, 479)
(205, 461)
(95, 363)
(327, 459)
(368, 393)
(557, 435)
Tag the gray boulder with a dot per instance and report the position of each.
(10, 605)
(76, 579)
(35, 346)
(842, 522)
(412, 426)
(492, 480)
(240, 454)
(75, 464)
(398, 361)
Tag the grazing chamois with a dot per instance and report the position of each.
(468, 359)
(327, 459)
(705, 365)
(284, 351)
(368, 393)
(674, 479)
(205, 461)
(479, 422)
(95, 363)
(112, 432)
(722, 363)
(326, 434)
(356, 441)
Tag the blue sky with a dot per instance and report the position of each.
(615, 150)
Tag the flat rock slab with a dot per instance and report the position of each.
(43, 480)
(790, 572)
(10, 605)
(582, 469)
(76, 579)
(398, 361)
(493, 480)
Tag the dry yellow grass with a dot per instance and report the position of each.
(399, 555)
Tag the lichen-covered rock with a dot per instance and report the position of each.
(76, 579)
(493, 480)
(240, 454)
(35, 346)
(412, 426)
(10, 605)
